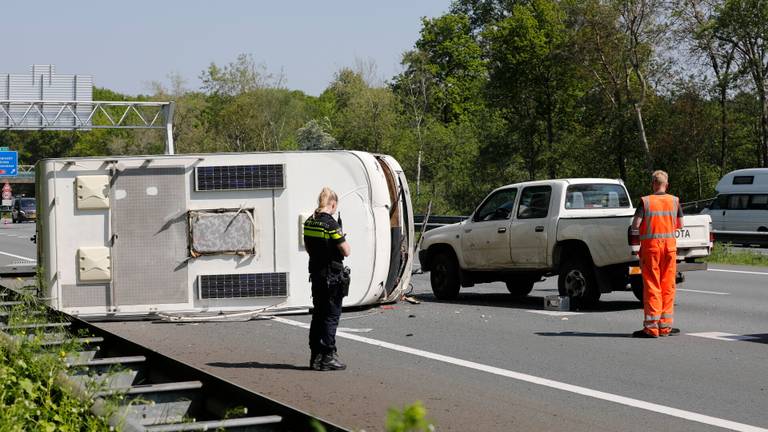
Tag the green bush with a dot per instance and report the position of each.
(412, 418)
(30, 398)
(725, 253)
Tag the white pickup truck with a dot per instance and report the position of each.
(577, 229)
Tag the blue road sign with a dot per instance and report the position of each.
(9, 163)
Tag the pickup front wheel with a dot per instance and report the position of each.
(444, 276)
(577, 281)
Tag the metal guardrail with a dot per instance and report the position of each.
(437, 221)
(748, 238)
(136, 389)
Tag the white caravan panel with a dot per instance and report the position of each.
(217, 232)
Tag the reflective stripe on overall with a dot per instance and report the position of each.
(658, 259)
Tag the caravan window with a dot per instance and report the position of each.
(758, 202)
(743, 180)
(738, 202)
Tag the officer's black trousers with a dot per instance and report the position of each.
(325, 316)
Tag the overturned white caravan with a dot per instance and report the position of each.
(133, 236)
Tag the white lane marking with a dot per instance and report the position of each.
(738, 271)
(610, 397)
(704, 292)
(16, 256)
(728, 337)
(554, 313)
(355, 330)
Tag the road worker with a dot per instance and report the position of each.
(657, 218)
(327, 246)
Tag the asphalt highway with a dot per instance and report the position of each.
(15, 246)
(489, 362)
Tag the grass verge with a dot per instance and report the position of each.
(725, 253)
(30, 398)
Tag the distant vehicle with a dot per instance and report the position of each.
(24, 209)
(577, 229)
(742, 201)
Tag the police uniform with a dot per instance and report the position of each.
(322, 237)
(658, 259)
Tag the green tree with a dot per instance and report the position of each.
(744, 24)
(696, 23)
(616, 54)
(249, 109)
(531, 78)
(365, 116)
(314, 136)
(452, 59)
(442, 78)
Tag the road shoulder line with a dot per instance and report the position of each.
(16, 256)
(738, 271)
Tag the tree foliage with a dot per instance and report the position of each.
(499, 91)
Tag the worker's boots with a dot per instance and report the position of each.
(330, 362)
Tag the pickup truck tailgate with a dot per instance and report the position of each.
(693, 239)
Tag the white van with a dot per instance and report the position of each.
(742, 201)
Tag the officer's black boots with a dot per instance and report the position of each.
(314, 360)
(331, 362)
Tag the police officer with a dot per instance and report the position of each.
(327, 246)
(656, 219)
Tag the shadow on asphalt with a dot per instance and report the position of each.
(762, 338)
(585, 334)
(257, 365)
(503, 300)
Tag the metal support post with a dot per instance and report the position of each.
(169, 127)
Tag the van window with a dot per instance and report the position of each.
(590, 196)
(720, 202)
(758, 202)
(743, 180)
(738, 202)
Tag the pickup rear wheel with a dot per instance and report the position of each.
(521, 286)
(444, 276)
(577, 281)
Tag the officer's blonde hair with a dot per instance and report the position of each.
(660, 177)
(326, 197)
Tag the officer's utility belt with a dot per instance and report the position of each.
(338, 277)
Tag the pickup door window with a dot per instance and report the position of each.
(528, 232)
(485, 238)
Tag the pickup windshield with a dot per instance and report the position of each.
(594, 196)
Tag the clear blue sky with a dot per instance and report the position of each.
(125, 45)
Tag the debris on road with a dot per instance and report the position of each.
(411, 300)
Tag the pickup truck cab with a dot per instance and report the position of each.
(577, 229)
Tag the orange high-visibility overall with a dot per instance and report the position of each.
(658, 259)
